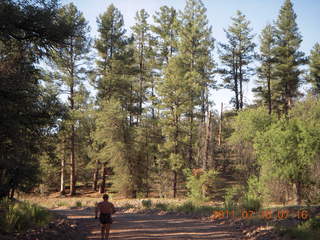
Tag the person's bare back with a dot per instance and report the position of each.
(106, 207)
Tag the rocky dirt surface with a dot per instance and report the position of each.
(147, 226)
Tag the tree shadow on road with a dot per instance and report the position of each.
(145, 226)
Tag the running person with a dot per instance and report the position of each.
(106, 209)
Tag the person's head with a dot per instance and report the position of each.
(105, 197)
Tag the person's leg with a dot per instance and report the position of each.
(107, 231)
(103, 230)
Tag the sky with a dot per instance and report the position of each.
(219, 12)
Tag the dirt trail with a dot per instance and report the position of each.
(147, 226)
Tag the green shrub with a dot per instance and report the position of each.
(308, 230)
(198, 183)
(190, 207)
(252, 200)
(232, 197)
(311, 224)
(146, 203)
(162, 206)
(253, 204)
(21, 216)
(78, 204)
(187, 207)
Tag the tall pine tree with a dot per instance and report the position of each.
(69, 62)
(166, 31)
(195, 47)
(288, 58)
(314, 63)
(236, 56)
(265, 70)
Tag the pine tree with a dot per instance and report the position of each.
(166, 31)
(144, 87)
(118, 148)
(142, 40)
(265, 70)
(69, 62)
(174, 96)
(121, 87)
(195, 52)
(111, 47)
(287, 56)
(236, 56)
(314, 64)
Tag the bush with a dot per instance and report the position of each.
(190, 207)
(187, 207)
(162, 206)
(198, 183)
(232, 196)
(252, 204)
(309, 230)
(21, 216)
(78, 204)
(146, 203)
(253, 197)
(312, 224)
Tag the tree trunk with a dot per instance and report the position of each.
(62, 180)
(240, 83)
(235, 76)
(298, 193)
(269, 90)
(72, 140)
(190, 150)
(95, 177)
(174, 184)
(220, 126)
(134, 194)
(73, 164)
(103, 180)
(207, 142)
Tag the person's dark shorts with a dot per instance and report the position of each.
(105, 218)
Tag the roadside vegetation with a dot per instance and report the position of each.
(19, 217)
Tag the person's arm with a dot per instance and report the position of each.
(113, 209)
(96, 210)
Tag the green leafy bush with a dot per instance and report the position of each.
(253, 204)
(162, 206)
(146, 203)
(190, 207)
(308, 230)
(78, 204)
(21, 216)
(187, 207)
(232, 197)
(252, 200)
(198, 183)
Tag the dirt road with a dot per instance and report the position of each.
(147, 226)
